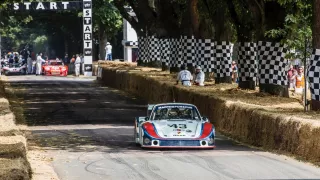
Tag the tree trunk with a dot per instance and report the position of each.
(227, 79)
(247, 85)
(315, 105)
(102, 41)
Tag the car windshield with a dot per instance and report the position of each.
(175, 112)
(55, 63)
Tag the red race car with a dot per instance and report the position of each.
(54, 68)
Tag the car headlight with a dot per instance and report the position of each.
(146, 141)
(47, 69)
(211, 140)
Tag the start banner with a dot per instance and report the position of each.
(53, 6)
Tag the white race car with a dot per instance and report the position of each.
(15, 68)
(174, 125)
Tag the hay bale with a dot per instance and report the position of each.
(15, 169)
(8, 126)
(13, 147)
(234, 112)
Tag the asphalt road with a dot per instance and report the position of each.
(88, 131)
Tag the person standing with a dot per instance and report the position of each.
(29, 64)
(39, 64)
(299, 80)
(234, 68)
(77, 65)
(66, 59)
(108, 49)
(291, 73)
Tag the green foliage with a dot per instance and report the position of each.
(297, 27)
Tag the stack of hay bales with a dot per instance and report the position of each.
(241, 121)
(13, 149)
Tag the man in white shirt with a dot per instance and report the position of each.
(108, 49)
(77, 65)
(39, 64)
(184, 76)
(199, 80)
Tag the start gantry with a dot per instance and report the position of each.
(63, 5)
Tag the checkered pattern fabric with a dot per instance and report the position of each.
(188, 50)
(143, 49)
(272, 63)
(314, 74)
(205, 54)
(247, 67)
(165, 51)
(153, 49)
(131, 43)
(223, 59)
(175, 58)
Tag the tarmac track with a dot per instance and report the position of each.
(88, 130)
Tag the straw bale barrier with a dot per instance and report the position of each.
(13, 149)
(14, 169)
(248, 123)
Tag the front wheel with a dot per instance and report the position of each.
(135, 139)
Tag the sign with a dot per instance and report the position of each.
(86, 6)
(88, 68)
(38, 6)
(87, 37)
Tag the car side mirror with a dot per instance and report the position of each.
(204, 118)
(146, 119)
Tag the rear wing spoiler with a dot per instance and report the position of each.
(150, 107)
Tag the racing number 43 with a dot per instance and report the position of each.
(180, 126)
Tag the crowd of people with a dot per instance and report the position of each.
(34, 61)
(296, 79)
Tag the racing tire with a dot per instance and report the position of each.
(135, 137)
(23, 72)
(6, 73)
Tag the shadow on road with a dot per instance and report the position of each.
(75, 102)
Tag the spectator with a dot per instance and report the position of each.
(29, 64)
(234, 72)
(184, 76)
(108, 49)
(66, 59)
(291, 73)
(77, 65)
(199, 80)
(299, 79)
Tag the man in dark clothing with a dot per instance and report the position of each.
(66, 59)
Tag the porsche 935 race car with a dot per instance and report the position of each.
(174, 125)
(54, 68)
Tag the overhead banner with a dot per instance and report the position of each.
(87, 37)
(53, 6)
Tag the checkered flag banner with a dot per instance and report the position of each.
(165, 51)
(247, 67)
(314, 74)
(223, 59)
(175, 49)
(188, 53)
(153, 49)
(205, 54)
(143, 49)
(272, 63)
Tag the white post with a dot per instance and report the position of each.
(129, 54)
(87, 37)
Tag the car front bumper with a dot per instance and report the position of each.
(192, 144)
